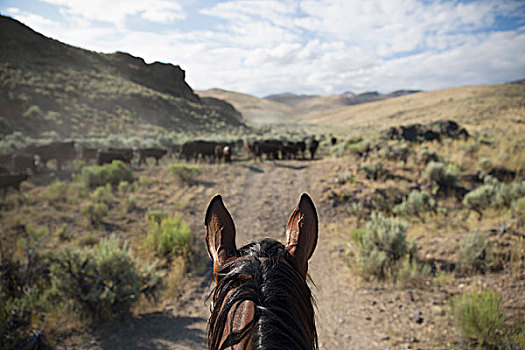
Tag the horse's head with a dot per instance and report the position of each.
(261, 299)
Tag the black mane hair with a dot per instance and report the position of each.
(266, 274)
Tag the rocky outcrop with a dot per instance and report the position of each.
(434, 131)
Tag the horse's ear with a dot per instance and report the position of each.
(220, 233)
(301, 233)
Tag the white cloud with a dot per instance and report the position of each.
(117, 11)
(264, 47)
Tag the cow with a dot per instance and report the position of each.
(88, 153)
(223, 151)
(10, 180)
(271, 148)
(194, 149)
(127, 153)
(314, 144)
(145, 153)
(107, 157)
(333, 141)
(22, 163)
(60, 151)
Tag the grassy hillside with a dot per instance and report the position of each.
(49, 86)
(256, 111)
(485, 105)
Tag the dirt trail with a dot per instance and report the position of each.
(260, 205)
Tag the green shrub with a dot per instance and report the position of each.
(443, 176)
(479, 316)
(412, 273)
(383, 245)
(171, 237)
(56, 192)
(426, 156)
(95, 212)
(100, 175)
(356, 235)
(101, 282)
(416, 204)
(103, 194)
(185, 173)
(156, 216)
(396, 150)
(475, 252)
(375, 171)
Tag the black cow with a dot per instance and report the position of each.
(127, 153)
(23, 162)
(106, 157)
(314, 144)
(145, 153)
(9, 180)
(194, 149)
(89, 153)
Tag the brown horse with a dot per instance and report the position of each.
(261, 299)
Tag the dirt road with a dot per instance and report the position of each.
(260, 197)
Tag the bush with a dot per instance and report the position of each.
(100, 175)
(383, 245)
(95, 212)
(101, 282)
(375, 171)
(475, 252)
(443, 176)
(493, 194)
(411, 273)
(156, 216)
(103, 194)
(357, 235)
(185, 173)
(56, 192)
(426, 156)
(479, 316)
(171, 237)
(416, 204)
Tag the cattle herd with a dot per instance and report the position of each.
(16, 167)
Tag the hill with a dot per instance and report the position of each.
(470, 105)
(46, 86)
(256, 111)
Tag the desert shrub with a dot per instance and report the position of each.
(475, 252)
(170, 237)
(375, 171)
(479, 316)
(124, 187)
(518, 210)
(411, 273)
(101, 282)
(129, 203)
(440, 174)
(427, 155)
(383, 245)
(56, 192)
(416, 204)
(100, 175)
(95, 212)
(479, 199)
(156, 216)
(184, 172)
(357, 234)
(485, 165)
(493, 194)
(396, 150)
(103, 194)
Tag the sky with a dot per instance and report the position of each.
(300, 46)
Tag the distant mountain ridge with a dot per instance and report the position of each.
(347, 98)
(46, 85)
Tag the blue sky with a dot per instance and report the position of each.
(300, 46)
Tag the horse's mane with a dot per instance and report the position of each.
(266, 274)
